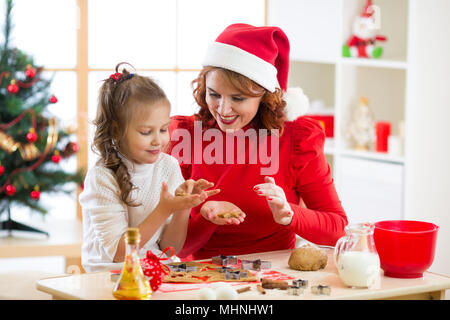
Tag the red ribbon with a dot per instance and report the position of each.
(151, 256)
(5, 126)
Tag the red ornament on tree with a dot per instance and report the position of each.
(10, 190)
(30, 72)
(13, 88)
(56, 157)
(53, 99)
(74, 147)
(153, 269)
(71, 148)
(35, 194)
(2, 170)
(32, 136)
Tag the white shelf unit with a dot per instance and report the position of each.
(370, 184)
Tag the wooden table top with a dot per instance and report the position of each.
(98, 286)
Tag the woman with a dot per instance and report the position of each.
(240, 93)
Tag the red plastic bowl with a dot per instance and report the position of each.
(406, 248)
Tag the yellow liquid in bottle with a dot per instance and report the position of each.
(132, 284)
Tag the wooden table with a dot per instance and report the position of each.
(65, 240)
(98, 286)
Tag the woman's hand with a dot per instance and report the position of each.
(281, 210)
(196, 187)
(170, 203)
(212, 211)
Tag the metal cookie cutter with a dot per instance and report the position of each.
(257, 264)
(235, 275)
(224, 260)
(321, 290)
(224, 269)
(294, 290)
(299, 283)
(182, 268)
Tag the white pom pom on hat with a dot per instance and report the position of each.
(297, 103)
(262, 55)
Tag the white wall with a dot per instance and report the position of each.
(428, 144)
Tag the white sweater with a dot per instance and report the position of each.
(105, 216)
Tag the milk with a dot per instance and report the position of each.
(358, 268)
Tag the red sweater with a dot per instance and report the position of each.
(303, 173)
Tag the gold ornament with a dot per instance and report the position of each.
(29, 151)
(52, 138)
(8, 143)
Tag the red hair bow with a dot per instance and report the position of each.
(116, 76)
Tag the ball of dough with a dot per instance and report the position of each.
(226, 293)
(206, 294)
(308, 258)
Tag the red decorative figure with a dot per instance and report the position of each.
(363, 42)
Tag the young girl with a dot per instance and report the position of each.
(134, 182)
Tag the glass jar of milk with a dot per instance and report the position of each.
(356, 257)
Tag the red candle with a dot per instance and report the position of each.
(382, 130)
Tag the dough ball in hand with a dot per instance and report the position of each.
(308, 258)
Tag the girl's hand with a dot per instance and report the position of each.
(196, 187)
(212, 211)
(281, 210)
(170, 203)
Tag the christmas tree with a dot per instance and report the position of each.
(31, 142)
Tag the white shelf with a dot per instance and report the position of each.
(330, 149)
(315, 60)
(376, 63)
(371, 155)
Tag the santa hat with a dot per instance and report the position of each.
(367, 11)
(262, 55)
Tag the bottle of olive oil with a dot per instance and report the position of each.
(132, 284)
